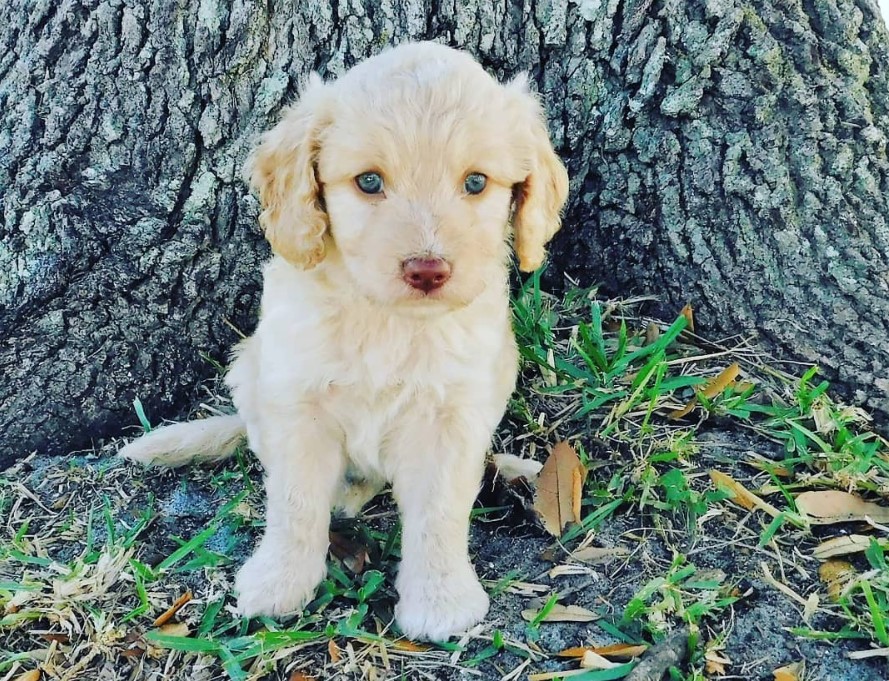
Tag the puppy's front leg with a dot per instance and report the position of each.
(438, 468)
(302, 453)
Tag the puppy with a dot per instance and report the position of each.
(384, 353)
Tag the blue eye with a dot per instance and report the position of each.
(370, 183)
(475, 183)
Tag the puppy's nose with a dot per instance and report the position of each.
(425, 274)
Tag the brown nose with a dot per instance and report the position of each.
(425, 274)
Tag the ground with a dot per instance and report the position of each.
(93, 550)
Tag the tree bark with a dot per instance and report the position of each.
(728, 154)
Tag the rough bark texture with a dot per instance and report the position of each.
(727, 153)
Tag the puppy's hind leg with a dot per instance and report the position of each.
(302, 452)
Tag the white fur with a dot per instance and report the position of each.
(353, 379)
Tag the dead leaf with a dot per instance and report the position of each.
(711, 389)
(510, 467)
(621, 651)
(689, 315)
(353, 555)
(715, 663)
(562, 613)
(741, 495)
(32, 675)
(174, 629)
(836, 574)
(591, 660)
(652, 333)
(334, 651)
(299, 676)
(409, 646)
(841, 546)
(832, 506)
(792, 672)
(173, 609)
(559, 487)
(597, 555)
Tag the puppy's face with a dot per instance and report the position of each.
(404, 174)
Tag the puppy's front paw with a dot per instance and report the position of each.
(272, 583)
(438, 606)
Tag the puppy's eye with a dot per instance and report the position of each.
(475, 183)
(370, 183)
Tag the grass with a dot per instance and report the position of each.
(92, 553)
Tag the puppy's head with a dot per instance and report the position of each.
(409, 174)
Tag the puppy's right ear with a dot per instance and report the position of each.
(282, 170)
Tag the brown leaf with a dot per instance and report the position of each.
(792, 672)
(711, 389)
(334, 651)
(652, 333)
(299, 676)
(715, 663)
(409, 646)
(741, 495)
(841, 546)
(559, 487)
(689, 315)
(832, 506)
(353, 555)
(596, 555)
(562, 613)
(173, 609)
(622, 651)
(836, 574)
(592, 660)
(174, 629)
(32, 675)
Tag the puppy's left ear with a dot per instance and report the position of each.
(539, 199)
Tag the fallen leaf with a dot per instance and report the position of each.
(510, 467)
(741, 495)
(32, 675)
(689, 315)
(841, 546)
(836, 574)
(711, 389)
(173, 609)
(559, 487)
(551, 676)
(174, 629)
(652, 333)
(299, 676)
(598, 555)
(353, 555)
(562, 613)
(591, 660)
(715, 663)
(792, 672)
(409, 646)
(622, 651)
(832, 506)
(334, 651)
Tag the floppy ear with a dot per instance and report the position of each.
(539, 199)
(282, 170)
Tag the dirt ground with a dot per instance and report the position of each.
(756, 632)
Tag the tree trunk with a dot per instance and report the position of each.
(730, 154)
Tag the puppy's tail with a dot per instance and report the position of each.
(211, 439)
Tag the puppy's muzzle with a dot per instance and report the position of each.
(425, 274)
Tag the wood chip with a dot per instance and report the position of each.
(559, 487)
(832, 506)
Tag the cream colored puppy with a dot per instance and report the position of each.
(384, 352)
